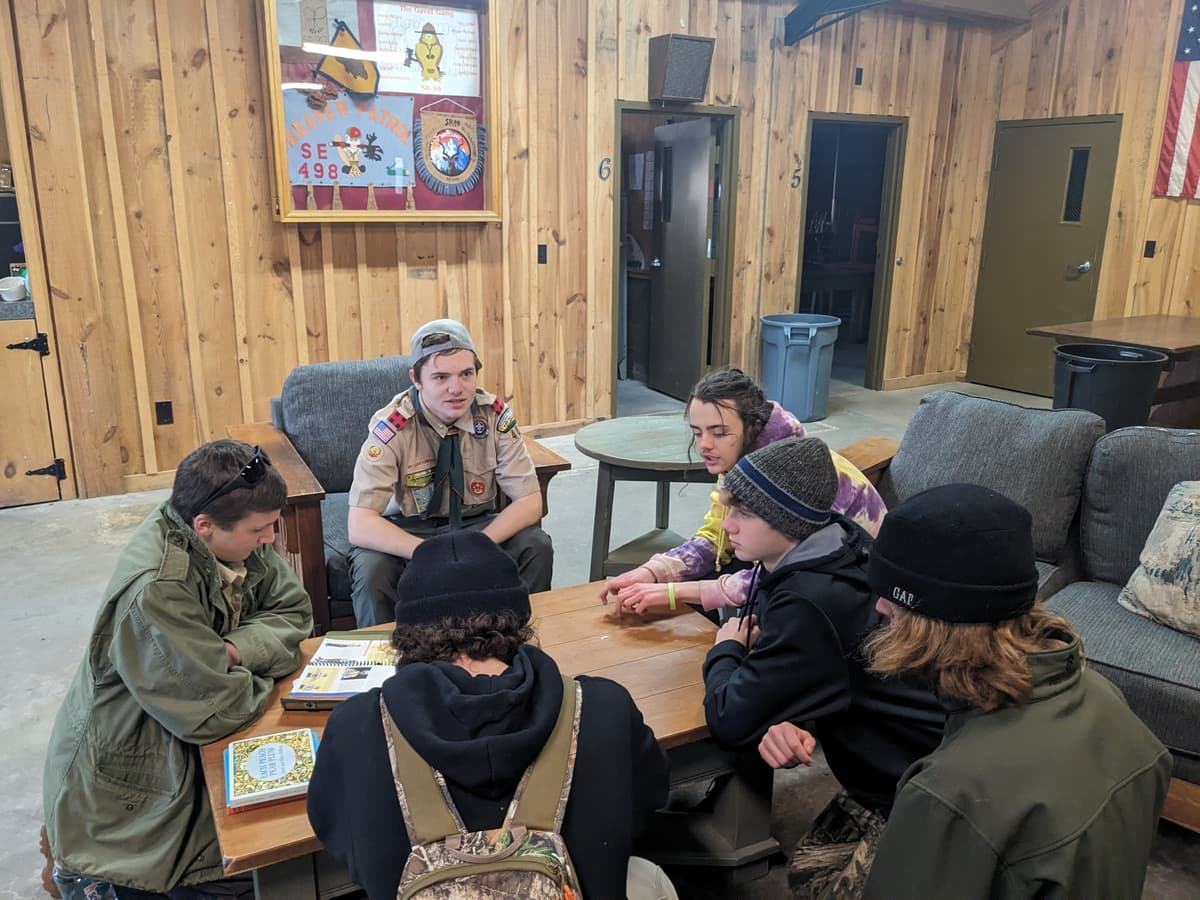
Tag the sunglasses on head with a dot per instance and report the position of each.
(247, 477)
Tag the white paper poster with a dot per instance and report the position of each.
(427, 49)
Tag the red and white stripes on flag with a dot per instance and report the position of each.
(1179, 159)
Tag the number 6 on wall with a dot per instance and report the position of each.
(605, 171)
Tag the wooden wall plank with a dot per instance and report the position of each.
(226, 300)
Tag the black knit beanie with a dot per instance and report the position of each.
(960, 553)
(790, 484)
(462, 573)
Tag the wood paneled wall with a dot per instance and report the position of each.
(171, 281)
(1084, 58)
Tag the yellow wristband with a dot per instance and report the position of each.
(671, 594)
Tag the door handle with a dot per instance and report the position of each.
(1084, 267)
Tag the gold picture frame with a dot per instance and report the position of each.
(382, 110)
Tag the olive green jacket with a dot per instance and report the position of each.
(1056, 798)
(123, 789)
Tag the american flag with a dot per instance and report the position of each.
(1179, 159)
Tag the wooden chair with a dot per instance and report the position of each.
(318, 424)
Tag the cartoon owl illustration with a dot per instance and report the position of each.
(429, 53)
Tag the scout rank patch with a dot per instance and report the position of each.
(477, 488)
(383, 431)
(374, 451)
(506, 419)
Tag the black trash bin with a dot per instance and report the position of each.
(1115, 382)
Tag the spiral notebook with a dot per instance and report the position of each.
(346, 663)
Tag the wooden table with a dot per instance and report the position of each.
(1176, 336)
(637, 448)
(657, 658)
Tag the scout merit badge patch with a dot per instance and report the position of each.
(450, 146)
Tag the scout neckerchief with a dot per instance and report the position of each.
(449, 465)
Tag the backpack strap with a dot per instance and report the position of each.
(541, 797)
(429, 813)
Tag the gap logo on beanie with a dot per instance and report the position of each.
(789, 484)
(462, 573)
(960, 553)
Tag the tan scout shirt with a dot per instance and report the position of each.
(394, 470)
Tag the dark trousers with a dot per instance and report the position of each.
(373, 575)
(82, 887)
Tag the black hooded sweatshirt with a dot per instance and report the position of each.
(807, 668)
(482, 732)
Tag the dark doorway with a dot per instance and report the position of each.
(673, 282)
(848, 175)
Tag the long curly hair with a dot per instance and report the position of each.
(983, 665)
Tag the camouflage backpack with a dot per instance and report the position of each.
(524, 858)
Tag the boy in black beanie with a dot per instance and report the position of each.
(792, 661)
(1046, 784)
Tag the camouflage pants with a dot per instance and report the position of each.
(833, 860)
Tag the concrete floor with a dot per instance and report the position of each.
(56, 559)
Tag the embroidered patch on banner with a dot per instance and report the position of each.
(383, 431)
(397, 420)
(479, 428)
(374, 451)
(477, 488)
(507, 421)
(449, 150)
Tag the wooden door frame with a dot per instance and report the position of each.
(29, 213)
(889, 202)
(730, 121)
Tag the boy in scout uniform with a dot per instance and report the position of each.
(435, 459)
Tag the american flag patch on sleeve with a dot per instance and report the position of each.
(383, 431)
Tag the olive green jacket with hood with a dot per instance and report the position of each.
(1056, 798)
(123, 789)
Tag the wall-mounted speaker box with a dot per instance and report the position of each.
(679, 67)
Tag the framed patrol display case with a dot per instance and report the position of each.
(381, 110)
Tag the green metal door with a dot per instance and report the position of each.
(1047, 212)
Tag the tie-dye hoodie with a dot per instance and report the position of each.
(708, 551)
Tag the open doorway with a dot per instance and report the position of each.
(850, 200)
(672, 250)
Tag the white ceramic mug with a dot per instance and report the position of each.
(12, 288)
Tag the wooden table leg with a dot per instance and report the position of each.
(602, 523)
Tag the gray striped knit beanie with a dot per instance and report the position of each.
(790, 484)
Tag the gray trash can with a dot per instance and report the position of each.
(797, 359)
(1113, 381)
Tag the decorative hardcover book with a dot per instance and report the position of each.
(268, 768)
(346, 663)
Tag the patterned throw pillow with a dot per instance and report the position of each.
(1165, 586)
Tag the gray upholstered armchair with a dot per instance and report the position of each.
(1129, 475)
(318, 423)
(1036, 457)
